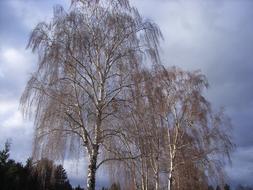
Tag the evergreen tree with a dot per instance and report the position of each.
(226, 187)
(4, 154)
(43, 175)
(61, 179)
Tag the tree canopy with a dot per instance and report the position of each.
(101, 89)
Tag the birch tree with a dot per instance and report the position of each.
(175, 131)
(86, 58)
(195, 133)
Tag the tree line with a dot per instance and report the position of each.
(100, 91)
(42, 175)
(15, 176)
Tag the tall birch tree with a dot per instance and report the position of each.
(86, 58)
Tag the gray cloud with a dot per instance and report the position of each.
(242, 173)
(214, 36)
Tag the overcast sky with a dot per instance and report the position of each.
(215, 36)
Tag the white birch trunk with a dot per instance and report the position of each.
(92, 168)
(170, 174)
(169, 181)
(157, 183)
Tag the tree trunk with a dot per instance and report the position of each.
(146, 176)
(143, 187)
(170, 181)
(157, 183)
(135, 183)
(92, 168)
